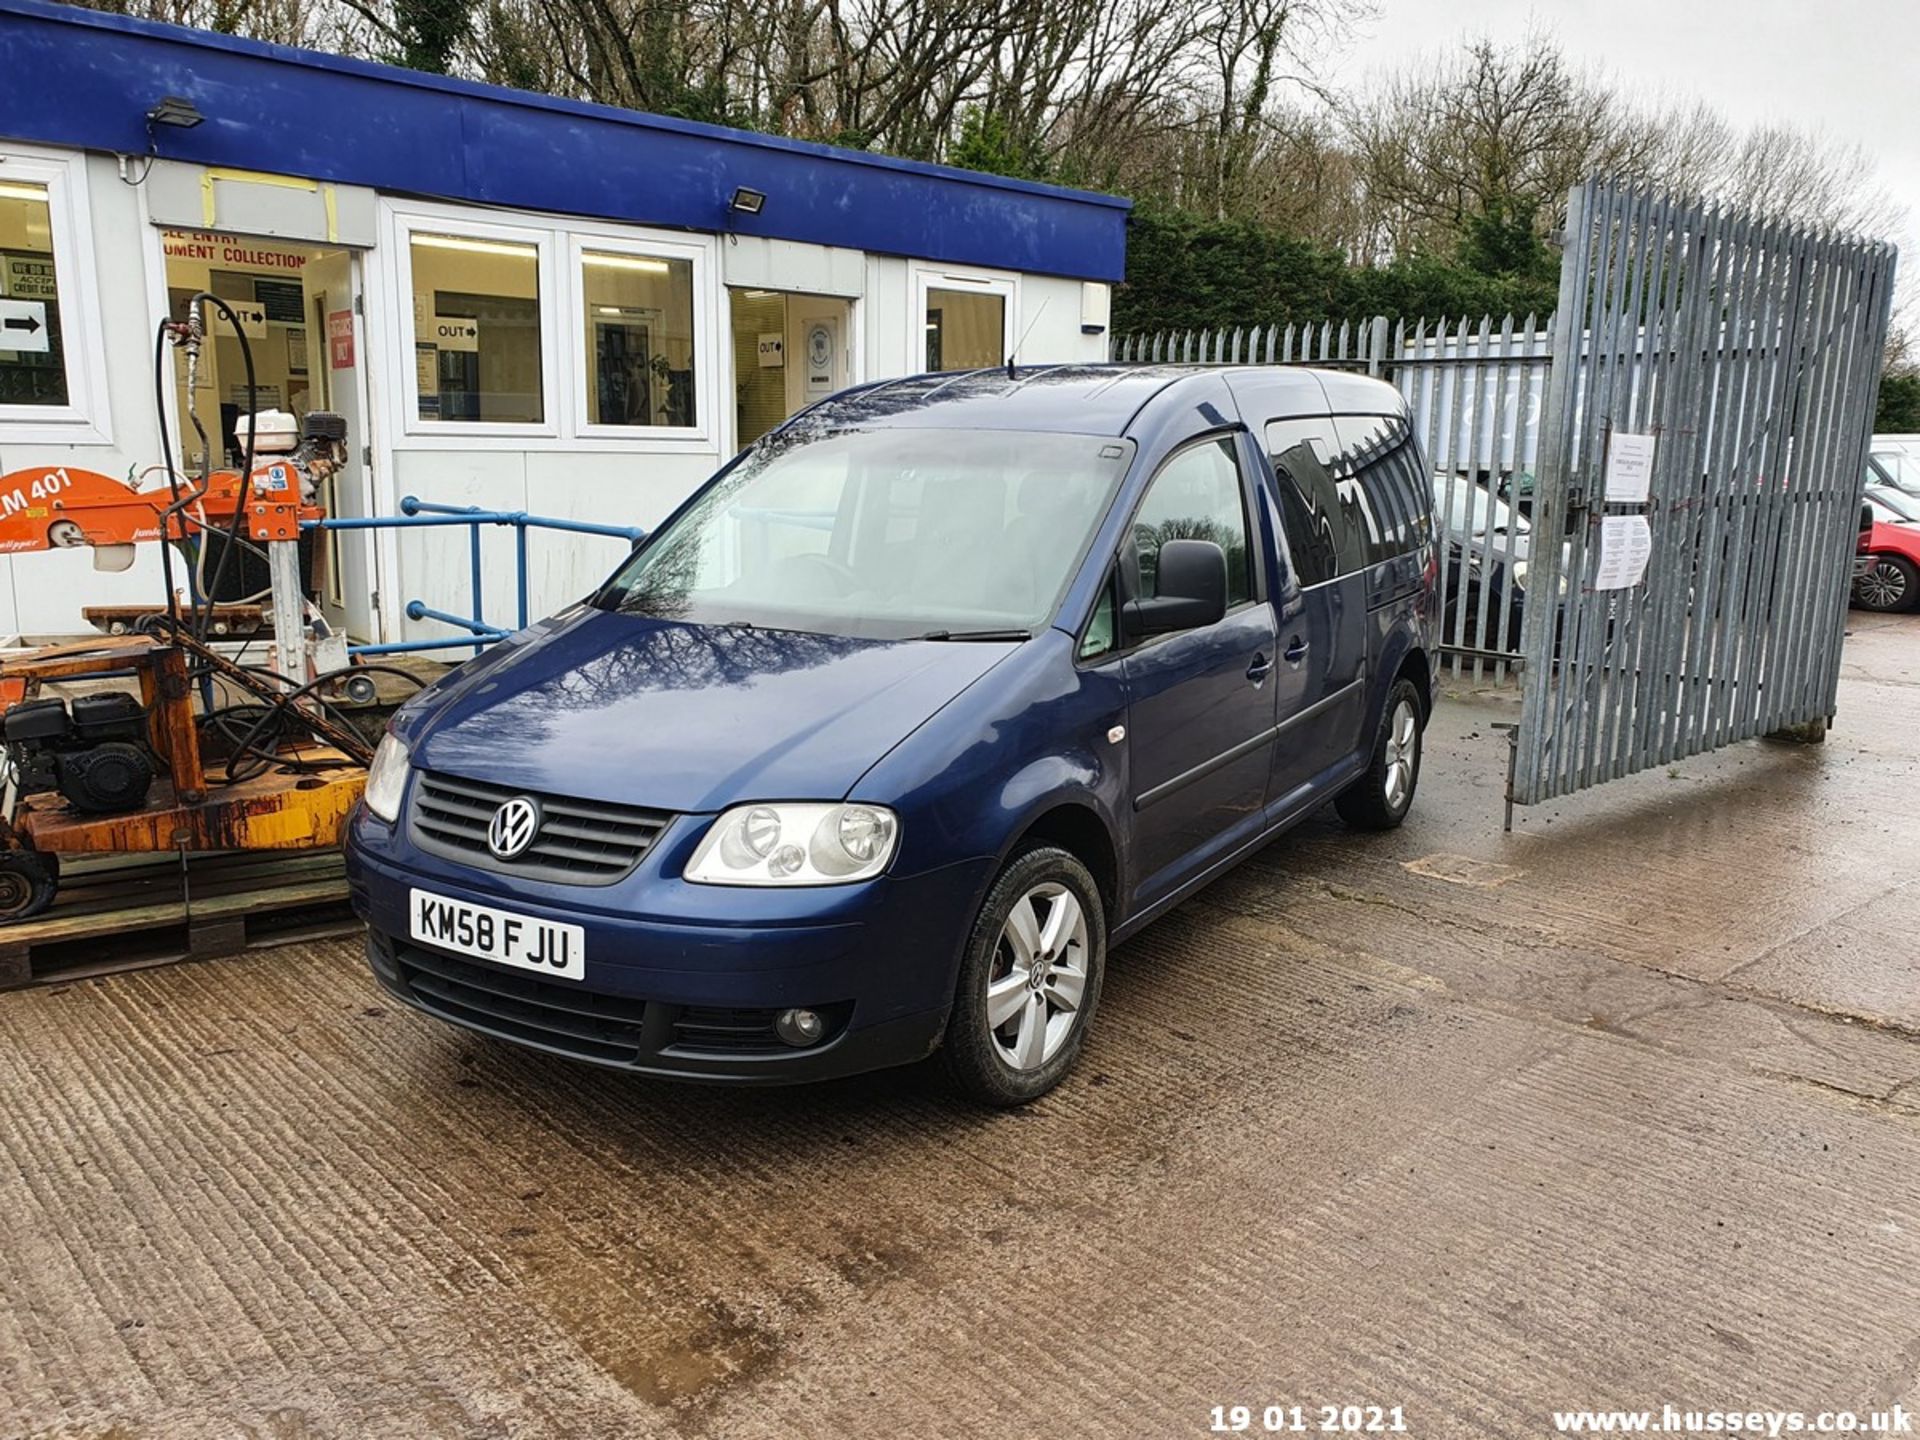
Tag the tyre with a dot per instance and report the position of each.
(27, 884)
(1891, 584)
(1380, 798)
(1029, 981)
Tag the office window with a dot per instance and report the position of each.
(639, 339)
(1196, 496)
(33, 368)
(966, 329)
(476, 329)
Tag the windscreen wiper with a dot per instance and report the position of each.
(976, 635)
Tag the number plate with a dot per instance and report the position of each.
(549, 947)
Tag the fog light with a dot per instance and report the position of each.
(799, 1027)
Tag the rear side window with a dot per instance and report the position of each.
(1324, 537)
(1196, 496)
(1378, 475)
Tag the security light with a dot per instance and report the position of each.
(747, 201)
(174, 110)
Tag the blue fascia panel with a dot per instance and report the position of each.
(93, 77)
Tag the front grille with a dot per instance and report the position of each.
(543, 1012)
(581, 842)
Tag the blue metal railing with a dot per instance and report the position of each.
(423, 514)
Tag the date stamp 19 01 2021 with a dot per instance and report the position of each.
(1308, 1420)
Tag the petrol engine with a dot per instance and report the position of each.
(94, 753)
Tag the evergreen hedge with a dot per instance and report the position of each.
(1187, 273)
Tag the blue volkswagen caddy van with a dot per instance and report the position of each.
(874, 748)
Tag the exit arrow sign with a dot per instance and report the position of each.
(23, 326)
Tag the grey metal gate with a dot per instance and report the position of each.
(1716, 432)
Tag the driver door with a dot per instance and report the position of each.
(1200, 701)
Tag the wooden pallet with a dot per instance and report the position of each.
(127, 913)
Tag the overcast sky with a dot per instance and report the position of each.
(1849, 68)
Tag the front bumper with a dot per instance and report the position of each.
(683, 981)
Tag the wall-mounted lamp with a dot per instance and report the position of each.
(747, 201)
(174, 110)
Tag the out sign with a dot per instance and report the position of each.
(454, 332)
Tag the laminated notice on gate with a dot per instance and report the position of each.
(1629, 468)
(1626, 543)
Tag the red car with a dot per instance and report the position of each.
(1887, 568)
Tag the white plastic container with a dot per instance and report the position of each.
(275, 432)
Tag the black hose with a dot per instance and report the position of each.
(166, 452)
(204, 619)
(257, 742)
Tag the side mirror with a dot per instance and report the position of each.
(1193, 590)
(1866, 517)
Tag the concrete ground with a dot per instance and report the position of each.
(1619, 1110)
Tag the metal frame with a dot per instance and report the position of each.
(423, 514)
(1750, 349)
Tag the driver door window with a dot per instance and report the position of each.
(1197, 495)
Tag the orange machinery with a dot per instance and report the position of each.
(211, 754)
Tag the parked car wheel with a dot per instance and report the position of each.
(1030, 980)
(1889, 583)
(1380, 798)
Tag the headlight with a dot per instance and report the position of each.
(1520, 573)
(789, 844)
(387, 779)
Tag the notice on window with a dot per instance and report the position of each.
(426, 379)
(1626, 544)
(252, 317)
(340, 339)
(773, 351)
(1629, 468)
(23, 326)
(820, 348)
(260, 397)
(30, 279)
(455, 332)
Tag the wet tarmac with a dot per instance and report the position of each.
(1618, 1110)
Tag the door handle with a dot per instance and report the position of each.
(1259, 669)
(1296, 650)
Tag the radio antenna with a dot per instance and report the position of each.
(1021, 343)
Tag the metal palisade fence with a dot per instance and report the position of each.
(1475, 389)
(1704, 465)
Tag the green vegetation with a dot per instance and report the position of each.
(1184, 272)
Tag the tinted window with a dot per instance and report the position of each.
(1196, 496)
(1319, 536)
(1378, 475)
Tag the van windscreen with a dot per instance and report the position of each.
(885, 533)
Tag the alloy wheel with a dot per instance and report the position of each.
(1403, 739)
(1039, 976)
(1884, 585)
